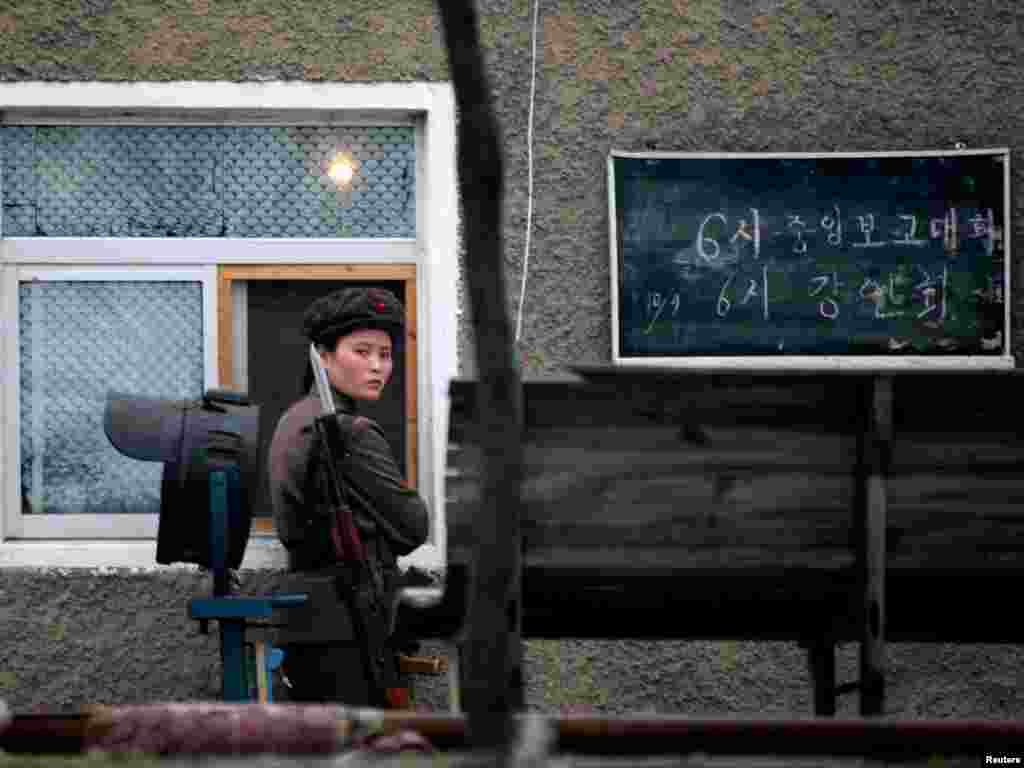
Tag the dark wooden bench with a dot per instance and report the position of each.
(814, 506)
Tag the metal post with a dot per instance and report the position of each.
(232, 633)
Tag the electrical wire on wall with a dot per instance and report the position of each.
(529, 171)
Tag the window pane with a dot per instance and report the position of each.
(78, 340)
(217, 181)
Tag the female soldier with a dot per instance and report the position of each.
(357, 331)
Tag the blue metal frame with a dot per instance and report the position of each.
(233, 613)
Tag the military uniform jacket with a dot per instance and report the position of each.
(372, 479)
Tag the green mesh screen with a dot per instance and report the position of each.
(269, 182)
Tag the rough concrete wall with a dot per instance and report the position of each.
(208, 40)
(74, 637)
(714, 75)
(724, 75)
(71, 637)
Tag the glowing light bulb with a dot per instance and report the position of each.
(342, 169)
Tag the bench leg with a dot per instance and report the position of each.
(821, 659)
(874, 449)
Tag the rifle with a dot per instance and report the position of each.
(358, 584)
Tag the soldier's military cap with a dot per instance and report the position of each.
(351, 309)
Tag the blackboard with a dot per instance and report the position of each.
(881, 255)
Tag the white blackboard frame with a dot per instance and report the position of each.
(816, 362)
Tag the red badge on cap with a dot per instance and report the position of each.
(378, 305)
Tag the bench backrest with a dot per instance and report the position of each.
(719, 494)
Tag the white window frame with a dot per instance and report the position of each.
(429, 107)
(83, 526)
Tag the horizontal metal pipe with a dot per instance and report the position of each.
(579, 734)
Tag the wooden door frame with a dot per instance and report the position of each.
(403, 273)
